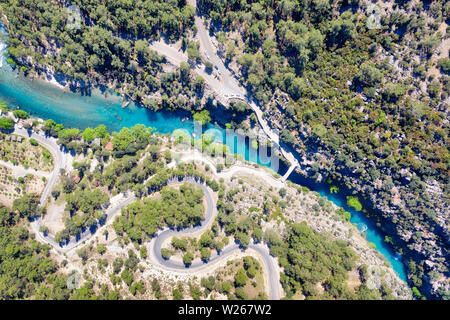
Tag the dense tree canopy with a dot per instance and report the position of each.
(100, 50)
(26, 269)
(309, 259)
(176, 208)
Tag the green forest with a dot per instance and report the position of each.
(365, 106)
(26, 269)
(370, 125)
(310, 260)
(108, 49)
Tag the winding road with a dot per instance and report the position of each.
(229, 87)
(156, 244)
(59, 160)
(58, 156)
(269, 262)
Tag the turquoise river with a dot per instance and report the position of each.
(48, 101)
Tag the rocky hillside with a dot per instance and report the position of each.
(359, 90)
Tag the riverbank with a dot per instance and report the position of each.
(81, 111)
(259, 177)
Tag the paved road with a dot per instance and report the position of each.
(176, 57)
(168, 233)
(88, 232)
(58, 157)
(59, 163)
(231, 85)
(269, 261)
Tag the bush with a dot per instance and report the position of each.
(202, 117)
(205, 254)
(166, 253)
(393, 92)
(354, 202)
(444, 64)
(20, 114)
(55, 194)
(143, 252)
(369, 75)
(226, 287)
(101, 248)
(433, 89)
(208, 66)
(127, 277)
(287, 137)
(6, 123)
(241, 294)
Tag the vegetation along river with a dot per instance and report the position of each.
(47, 101)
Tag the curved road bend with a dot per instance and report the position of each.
(231, 84)
(55, 150)
(59, 162)
(268, 261)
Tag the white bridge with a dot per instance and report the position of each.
(288, 173)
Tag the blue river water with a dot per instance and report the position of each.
(47, 101)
